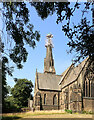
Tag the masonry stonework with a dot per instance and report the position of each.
(88, 104)
(73, 89)
(48, 104)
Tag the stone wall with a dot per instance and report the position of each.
(88, 104)
(48, 104)
(50, 107)
(70, 97)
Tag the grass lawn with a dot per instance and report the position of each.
(48, 115)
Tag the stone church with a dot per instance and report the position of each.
(72, 90)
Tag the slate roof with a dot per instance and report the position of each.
(73, 74)
(65, 72)
(48, 81)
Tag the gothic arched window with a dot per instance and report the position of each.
(54, 100)
(44, 99)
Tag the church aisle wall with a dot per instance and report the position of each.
(71, 98)
(88, 104)
(49, 100)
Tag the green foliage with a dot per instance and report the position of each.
(81, 39)
(68, 111)
(20, 32)
(10, 99)
(87, 112)
(9, 89)
(18, 26)
(21, 92)
(45, 9)
(10, 105)
(5, 70)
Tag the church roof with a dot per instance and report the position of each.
(74, 74)
(48, 81)
(65, 73)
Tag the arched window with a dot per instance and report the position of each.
(44, 99)
(54, 100)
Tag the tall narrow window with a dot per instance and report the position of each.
(44, 99)
(89, 88)
(54, 100)
(92, 88)
(86, 89)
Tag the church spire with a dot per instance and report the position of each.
(49, 61)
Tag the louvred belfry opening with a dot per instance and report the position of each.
(49, 61)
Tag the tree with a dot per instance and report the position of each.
(17, 26)
(10, 105)
(4, 83)
(20, 31)
(22, 91)
(81, 35)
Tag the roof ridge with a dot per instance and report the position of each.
(49, 74)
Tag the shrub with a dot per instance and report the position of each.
(86, 112)
(68, 111)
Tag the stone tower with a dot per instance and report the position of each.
(49, 61)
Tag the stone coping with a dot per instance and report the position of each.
(88, 98)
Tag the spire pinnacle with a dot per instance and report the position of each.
(49, 61)
(48, 41)
(36, 70)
